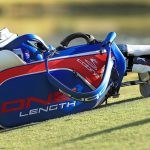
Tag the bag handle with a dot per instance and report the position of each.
(88, 38)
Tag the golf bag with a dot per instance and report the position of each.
(68, 81)
(38, 82)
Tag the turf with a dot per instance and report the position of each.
(123, 124)
(64, 16)
(57, 2)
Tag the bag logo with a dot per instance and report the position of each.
(90, 65)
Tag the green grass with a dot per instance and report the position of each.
(72, 1)
(52, 25)
(123, 124)
(58, 17)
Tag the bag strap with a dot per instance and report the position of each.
(101, 91)
(88, 96)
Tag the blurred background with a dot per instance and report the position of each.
(54, 19)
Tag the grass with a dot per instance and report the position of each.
(60, 16)
(70, 16)
(73, 1)
(123, 124)
(52, 25)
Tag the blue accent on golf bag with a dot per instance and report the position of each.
(22, 43)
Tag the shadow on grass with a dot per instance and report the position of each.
(106, 131)
(109, 104)
(122, 101)
(2, 130)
